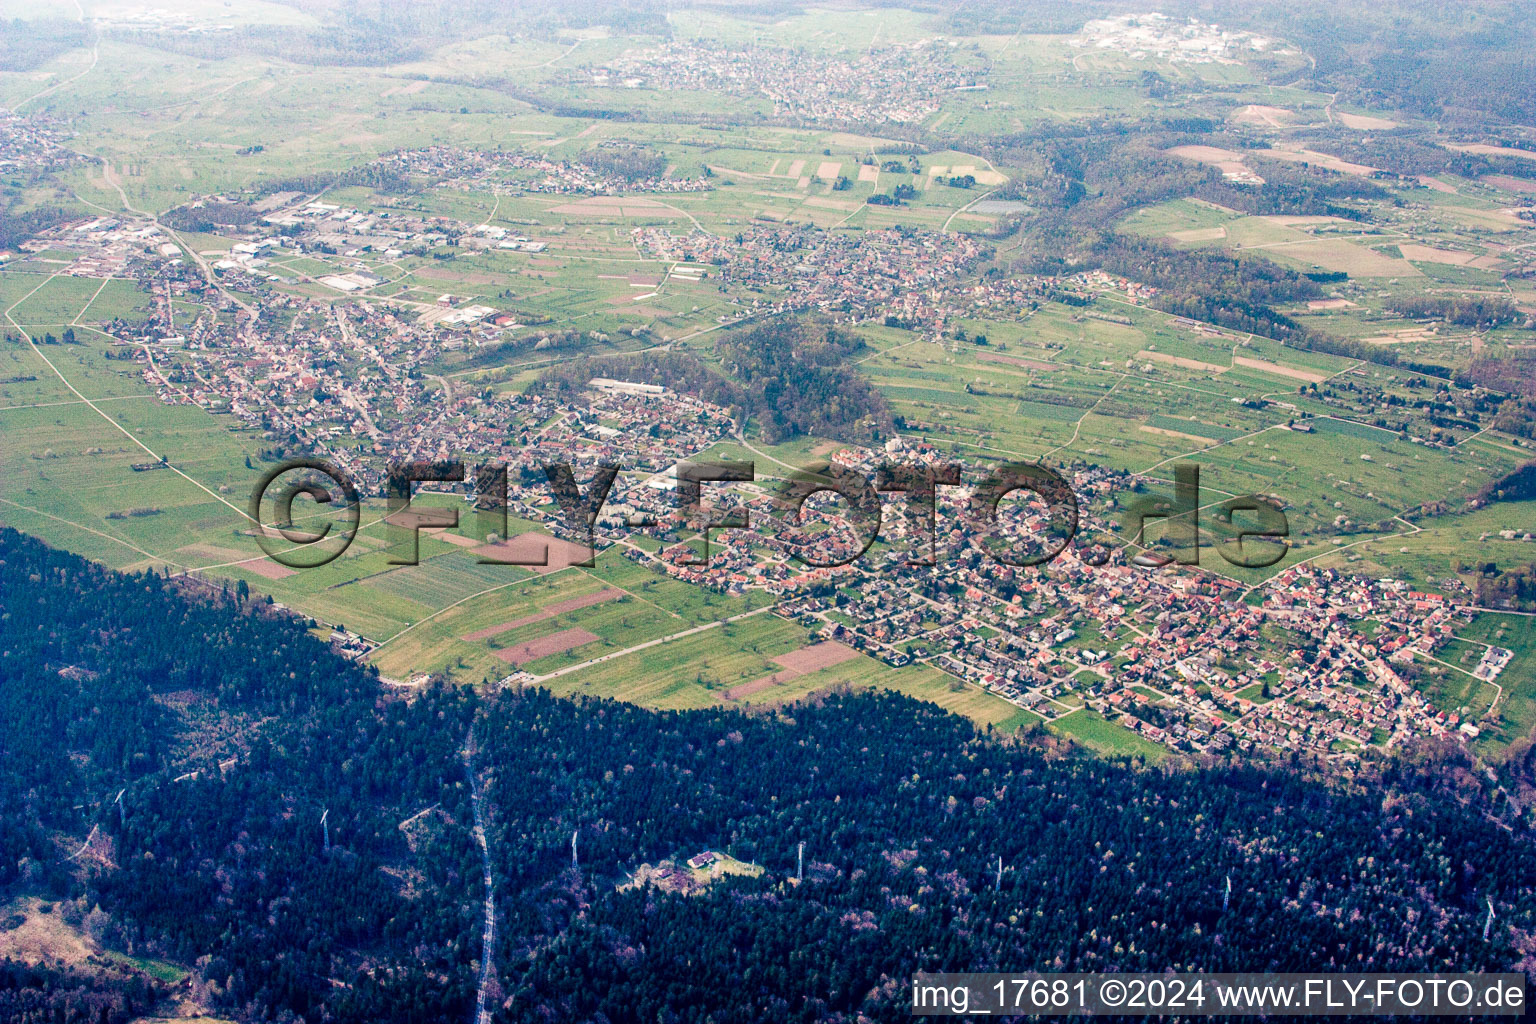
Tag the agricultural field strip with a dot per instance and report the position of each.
(105, 536)
(650, 643)
(125, 432)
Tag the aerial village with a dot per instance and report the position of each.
(896, 84)
(1150, 647)
(33, 144)
(511, 171)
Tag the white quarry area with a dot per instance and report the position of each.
(1185, 41)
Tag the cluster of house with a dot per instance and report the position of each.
(1323, 662)
(935, 310)
(1424, 410)
(511, 172)
(1175, 655)
(312, 378)
(914, 279)
(853, 276)
(33, 143)
(315, 378)
(1492, 663)
(901, 84)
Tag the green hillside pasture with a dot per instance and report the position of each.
(1176, 215)
(695, 671)
(57, 300)
(83, 364)
(67, 461)
(1187, 426)
(440, 581)
(983, 708)
(1313, 472)
(860, 671)
(1430, 557)
(1093, 731)
(692, 671)
(117, 299)
(688, 604)
(1447, 681)
(141, 112)
(1517, 711)
(26, 380)
(653, 606)
(438, 643)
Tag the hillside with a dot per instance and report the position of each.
(230, 751)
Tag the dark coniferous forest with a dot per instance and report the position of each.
(230, 731)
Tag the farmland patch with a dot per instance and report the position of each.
(544, 646)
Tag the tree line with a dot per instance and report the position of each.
(790, 375)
